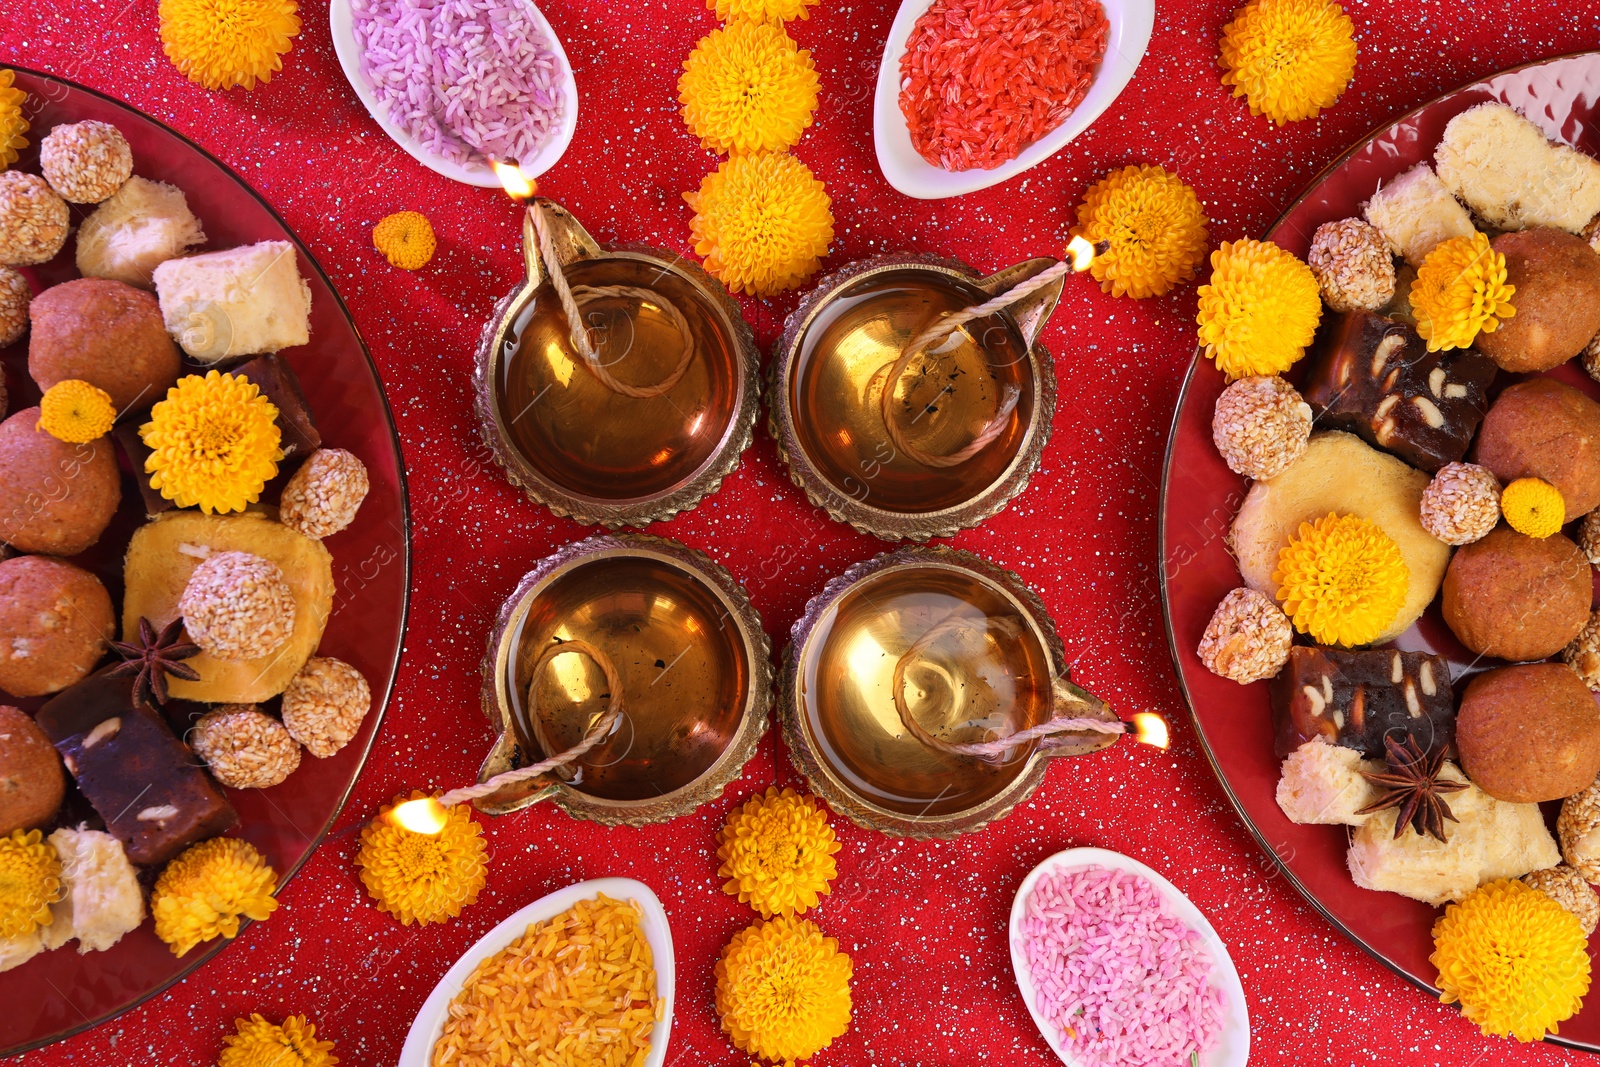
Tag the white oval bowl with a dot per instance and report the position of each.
(342, 22)
(428, 1026)
(1131, 22)
(1233, 1047)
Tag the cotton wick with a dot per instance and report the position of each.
(596, 733)
(1080, 254)
(522, 190)
(569, 297)
(989, 751)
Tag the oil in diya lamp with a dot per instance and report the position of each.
(925, 691)
(910, 397)
(616, 385)
(629, 678)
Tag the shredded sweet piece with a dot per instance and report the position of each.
(983, 79)
(1124, 982)
(578, 990)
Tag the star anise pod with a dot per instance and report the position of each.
(154, 656)
(1413, 785)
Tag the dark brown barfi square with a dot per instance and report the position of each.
(1354, 699)
(1375, 377)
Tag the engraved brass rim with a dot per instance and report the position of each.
(494, 699)
(826, 783)
(573, 243)
(897, 525)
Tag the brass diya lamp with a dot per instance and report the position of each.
(640, 655)
(910, 396)
(925, 691)
(635, 407)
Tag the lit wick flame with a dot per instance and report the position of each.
(514, 183)
(1148, 729)
(1082, 252)
(425, 815)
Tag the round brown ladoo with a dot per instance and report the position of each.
(55, 498)
(1529, 733)
(105, 333)
(31, 781)
(1557, 280)
(1517, 597)
(1543, 429)
(55, 620)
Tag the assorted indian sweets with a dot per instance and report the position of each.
(1122, 981)
(1415, 488)
(121, 779)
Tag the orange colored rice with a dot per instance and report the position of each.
(983, 79)
(578, 990)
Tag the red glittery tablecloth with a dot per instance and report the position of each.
(925, 923)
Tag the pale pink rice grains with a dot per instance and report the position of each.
(472, 80)
(1122, 981)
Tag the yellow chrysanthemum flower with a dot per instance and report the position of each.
(1341, 579)
(1534, 507)
(1289, 59)
(76, 412)
(406, 239)
(206, 891)
(30, 881)
(214, 442)
(761, 10)
(1516, 960)
(1154, 224)
(223, 43)
(259, 1043)
(1461, 290)
(762, 222)
(748, 88)
(423, 878)
(777, 853)
(783, 990)
(13, 124)
(1260, 309)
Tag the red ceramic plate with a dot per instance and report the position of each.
(1200, 496)
(59, 993)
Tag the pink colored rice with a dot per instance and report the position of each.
(472, 80)
(1121, 980)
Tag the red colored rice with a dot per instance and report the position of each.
(983, 79)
